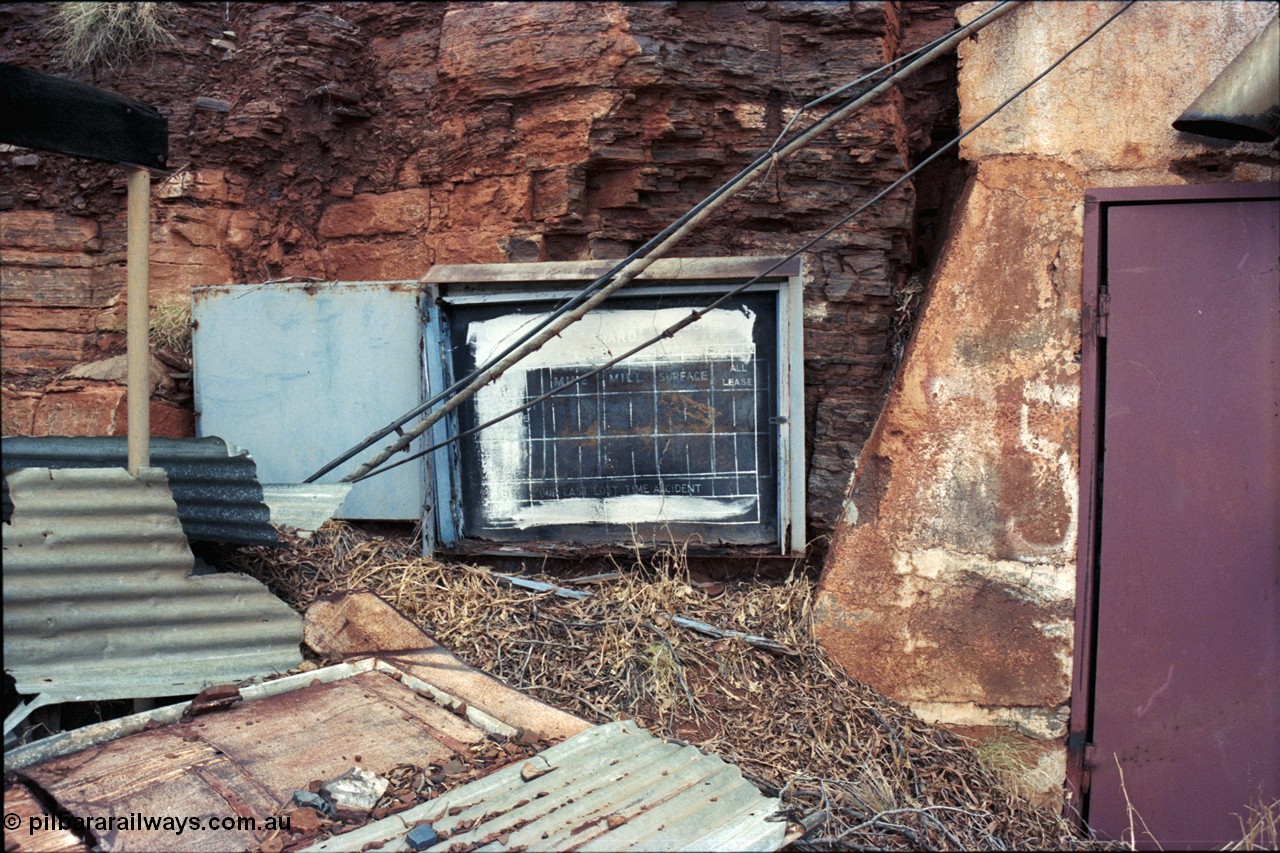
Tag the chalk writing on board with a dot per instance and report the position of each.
(670, 435)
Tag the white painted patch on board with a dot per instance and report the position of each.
(622, 510)
(599, 336)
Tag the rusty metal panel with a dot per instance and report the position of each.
(607, 787)
(32, 831)
(612, 787)
(216, 487)
(99, 601)
(97, 734)
(1186, 699)
(298, 372)
(248, 760)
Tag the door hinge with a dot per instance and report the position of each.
(1078, 745)
(1104, 311)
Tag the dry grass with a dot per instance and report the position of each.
(170, 325)
(1260, 829)
(109, 35)
(1014, 761)
(862, 770)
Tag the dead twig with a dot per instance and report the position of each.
(1131, 812)
(794, 723)
(675, 661)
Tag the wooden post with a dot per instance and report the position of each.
(138, 319)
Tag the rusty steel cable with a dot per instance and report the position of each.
(664, 239)
(698, 313)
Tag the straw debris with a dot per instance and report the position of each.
(1259, 827)
(859, 769)
(109, 35)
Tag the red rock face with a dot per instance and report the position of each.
(369, 141)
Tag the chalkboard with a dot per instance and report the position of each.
(677, 441)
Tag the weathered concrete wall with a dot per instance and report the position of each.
(1109, 108)
(466, 132)
(950, 584)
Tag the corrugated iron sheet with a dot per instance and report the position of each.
(612, 787)
(304, 506)
(99, 601)
(607, 787)
(217, 491)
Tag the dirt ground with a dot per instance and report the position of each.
(860, 770)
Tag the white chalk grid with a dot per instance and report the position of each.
(673, 434)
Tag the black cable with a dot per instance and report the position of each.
(594, 287)
(905, 57)
(697, 314)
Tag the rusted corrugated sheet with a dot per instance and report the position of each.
(605, 787)
(249, 760)
(99, 601)
(217, 491)
(612, 787)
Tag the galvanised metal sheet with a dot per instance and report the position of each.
(99, 601)
(303, 507)
(216, 488)
(612, 787)
(299, 372)
(1187, 678)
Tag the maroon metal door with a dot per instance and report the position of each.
(1186, 669)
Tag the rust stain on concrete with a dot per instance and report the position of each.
(950, 582)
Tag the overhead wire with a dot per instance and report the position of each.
(906, 57)
(698, 313)
(633, 270)
(577, 299)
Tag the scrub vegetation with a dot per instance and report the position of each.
(106, 36)
(170, 325)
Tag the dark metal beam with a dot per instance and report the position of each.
(51, 114)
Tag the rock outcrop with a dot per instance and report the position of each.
(370, 141)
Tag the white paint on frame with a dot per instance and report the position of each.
(720, 335)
